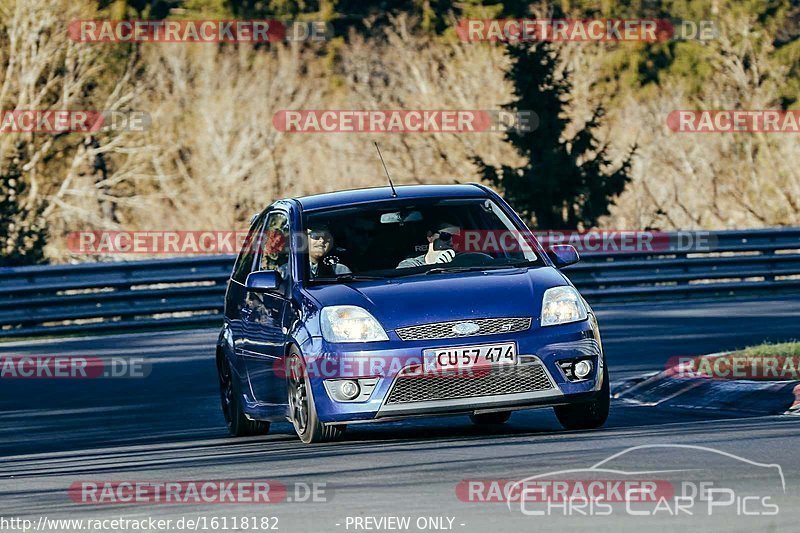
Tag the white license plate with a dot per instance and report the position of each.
(487, 355)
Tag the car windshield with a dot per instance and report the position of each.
(411, 238)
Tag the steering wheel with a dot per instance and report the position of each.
(469, 259)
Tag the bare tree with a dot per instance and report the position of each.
(43, 70)
(713, 180)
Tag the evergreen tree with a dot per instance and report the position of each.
(566, 183)
(22, 229)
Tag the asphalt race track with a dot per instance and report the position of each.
(169, 427)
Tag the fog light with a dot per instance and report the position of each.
(349, 389)
(581, 369)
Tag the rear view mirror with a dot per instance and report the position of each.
(397, 217)
(563, 255)
(263, 280)
(391, 218)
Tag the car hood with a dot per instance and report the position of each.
(425, 299)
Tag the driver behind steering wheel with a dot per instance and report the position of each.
(440, 247)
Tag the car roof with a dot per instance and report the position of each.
(376, 194)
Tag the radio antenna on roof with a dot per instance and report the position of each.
(394, 192)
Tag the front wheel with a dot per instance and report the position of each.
(587, 415)
(302, 410)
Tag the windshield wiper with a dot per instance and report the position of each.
(526, 263)
(351, 277)
(474, 268)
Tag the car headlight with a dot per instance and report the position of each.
(348, 323)
(562, 305)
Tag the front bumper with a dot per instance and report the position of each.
(543, 347)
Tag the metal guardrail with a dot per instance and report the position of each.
(97, 297)
(738, 263)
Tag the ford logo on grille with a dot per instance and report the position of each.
(465, 328)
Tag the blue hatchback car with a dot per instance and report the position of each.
(378, 304)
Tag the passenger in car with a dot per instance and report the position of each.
(320, 243)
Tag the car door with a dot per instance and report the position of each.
(265, 314)
(236, 309)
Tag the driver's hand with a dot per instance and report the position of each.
(432, 255)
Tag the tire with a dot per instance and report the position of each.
(302, 410)
(587, 415)
(230, 394)
(486, 419)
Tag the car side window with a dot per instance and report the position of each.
(244, 263)
(275, 245)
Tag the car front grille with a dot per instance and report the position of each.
(444, 330)
(497, 381)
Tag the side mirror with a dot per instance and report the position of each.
(563, 255)
(263, 280)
